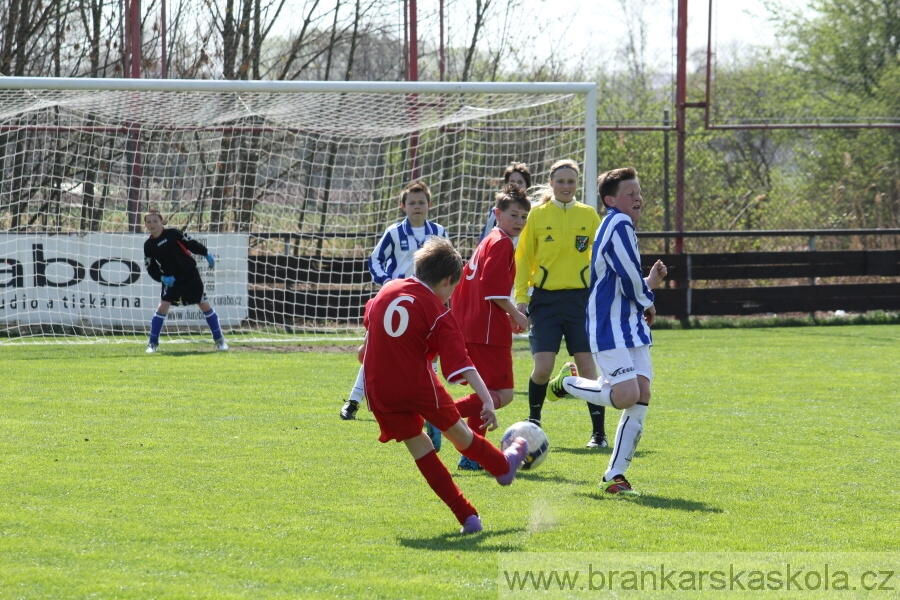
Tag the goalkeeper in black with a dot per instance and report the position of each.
(169, 259)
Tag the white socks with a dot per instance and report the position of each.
(359, 391)
(628, 434)
(589, 390)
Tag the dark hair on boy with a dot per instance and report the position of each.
(415, 186)
(436, 260)
(520, 168)
(512, 194)
(608, 183)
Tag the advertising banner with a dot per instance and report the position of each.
(99, 280)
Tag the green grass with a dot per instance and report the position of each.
(196, 474)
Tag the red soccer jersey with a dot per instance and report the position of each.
(407, 327)
(489, 274)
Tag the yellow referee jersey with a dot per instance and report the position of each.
(554, 251)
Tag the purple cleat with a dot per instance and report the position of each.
(472, 525)
(515, 456)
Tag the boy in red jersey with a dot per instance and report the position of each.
(407, 325)
(483, 308)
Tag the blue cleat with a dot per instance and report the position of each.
(434, 435)
(467, 464)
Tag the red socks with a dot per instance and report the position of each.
(488, 456)
(440, 480)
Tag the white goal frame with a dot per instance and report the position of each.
(227, 280)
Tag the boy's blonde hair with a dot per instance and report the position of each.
(608, 183)
(415, 186)
(436, 260)
(153, 211)
(546, 193)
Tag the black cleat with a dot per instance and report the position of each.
(598, 440)
(348, 413)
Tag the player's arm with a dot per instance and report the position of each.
(625, 262)
(657, 273)
(524, 266)
(152, 266)
(191, 244)
(488, 416)
(380, 257)
(519, 320)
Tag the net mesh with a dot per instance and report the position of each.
(289, 191)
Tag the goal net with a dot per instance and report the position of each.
(289, 184)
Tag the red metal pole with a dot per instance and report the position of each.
(133, 146)
(164, 70)
(441, 45)
(135, 39)
(413, 76)
(680, 100)
(413, 42)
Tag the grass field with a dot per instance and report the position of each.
(195, 474)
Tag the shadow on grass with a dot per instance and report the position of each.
(599, 451)
(477, 542)
(536, 476)
(656, 502)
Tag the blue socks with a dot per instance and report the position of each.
(156, 326)
(212, 319)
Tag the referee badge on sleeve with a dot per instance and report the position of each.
(581, 243)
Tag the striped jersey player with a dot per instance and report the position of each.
(619, 315)
(392, 259)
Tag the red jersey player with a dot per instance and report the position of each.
(407, 325)
(483, 308)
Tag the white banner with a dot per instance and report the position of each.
(98, 280)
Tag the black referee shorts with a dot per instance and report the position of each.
(556, 314)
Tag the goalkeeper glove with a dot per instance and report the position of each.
(168, 280)
(211, 260)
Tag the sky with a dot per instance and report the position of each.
(736, 23)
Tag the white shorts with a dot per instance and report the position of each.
(622, 364)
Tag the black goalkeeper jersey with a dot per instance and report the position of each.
(171, 254)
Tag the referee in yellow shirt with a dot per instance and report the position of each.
(553, 261)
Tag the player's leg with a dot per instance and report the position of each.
(617, 387)
(631, 423)
(586, 368)
(212, 319)
(502, 465)
(441, 482)
(546, 313)
(407, 427)
(579, 346)
(156, 325)
(495, 366)
(537, 384)
(348, 412)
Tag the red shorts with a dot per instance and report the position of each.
(407, 424)
(494, 364)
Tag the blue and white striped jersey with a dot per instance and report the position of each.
(619, 293)
(393, 255)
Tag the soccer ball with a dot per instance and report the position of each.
(538, 444)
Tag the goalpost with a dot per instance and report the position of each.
(289, 184)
